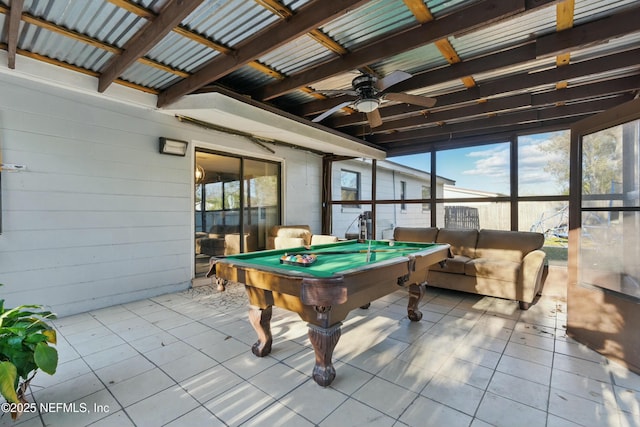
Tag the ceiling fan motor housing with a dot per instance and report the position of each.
(368, 99)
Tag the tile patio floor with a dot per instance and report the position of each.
(184, 359)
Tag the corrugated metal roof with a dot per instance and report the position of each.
(416, 60)
(298, 55)
(589, 10)
(439, 8)
(56, 46)
(340, 81)
(96, 18)
(246, 79)
(368, 22)
(615, 45)
(230, 23)
(504, 34)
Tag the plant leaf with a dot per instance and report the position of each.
(51, 336)
(8, 376)
(35, 338)
(46, 358)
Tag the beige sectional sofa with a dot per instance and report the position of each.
(504, 264)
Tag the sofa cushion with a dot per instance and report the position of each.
(507, 245)
(293, 231)
(499, 269)
(283, 242)
(463, 242)
(415, 234)
(452, 265)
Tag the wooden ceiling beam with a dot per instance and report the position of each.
(13, 30)
(507, 58)
(143, 12)
(467, 139)
(498, 105)
(90, 41)
(508, 103)
(309, 18)
(564, 15)
(600, 31)
(564, 21)
(172, 14)
(134, 8)
(276, 8)
(419, 10)
(515, 83)
(474, 16)
(77, 69)
(577, 109)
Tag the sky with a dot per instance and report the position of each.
(486, 167)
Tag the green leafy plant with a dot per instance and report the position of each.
(25, 339)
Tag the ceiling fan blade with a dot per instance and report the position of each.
(423, 101)
(331, 111)
(391, 79)
(336, 92)
(374, 118)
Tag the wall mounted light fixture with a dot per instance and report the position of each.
(173, 147)
(199, 174)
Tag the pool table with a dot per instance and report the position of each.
(344, 276)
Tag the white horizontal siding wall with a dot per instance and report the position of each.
(302, 190)
(100, 217)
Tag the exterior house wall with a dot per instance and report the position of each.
(388, 176)
(100, 217)
(302, 188)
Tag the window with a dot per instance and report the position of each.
(543, 164)
(349, 185)
(477, 196)
(426, 194)
(403, 195)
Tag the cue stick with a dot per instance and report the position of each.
(358, 251)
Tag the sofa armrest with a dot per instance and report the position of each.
(532, 268)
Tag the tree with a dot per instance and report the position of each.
(601, 160)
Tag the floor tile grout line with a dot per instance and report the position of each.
(615, 402)
(493, 373)
(247, 380)
(159, 367)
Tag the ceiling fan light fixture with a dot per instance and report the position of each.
(366, 105)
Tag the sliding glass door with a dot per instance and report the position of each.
(237, 200)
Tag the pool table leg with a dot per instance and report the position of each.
(324, 341)
(260, 319)
(416, 293)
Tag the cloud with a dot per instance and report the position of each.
(490, 167)
(493, 162)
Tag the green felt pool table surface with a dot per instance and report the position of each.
(334, 258)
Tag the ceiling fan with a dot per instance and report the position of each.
(370, 92)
